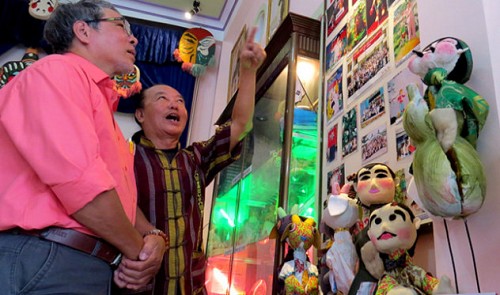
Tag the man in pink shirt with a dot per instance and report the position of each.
(67, 189)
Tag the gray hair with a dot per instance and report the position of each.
(58, 29)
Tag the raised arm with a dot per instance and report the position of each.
(251, 57)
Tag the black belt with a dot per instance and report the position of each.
(78, 241)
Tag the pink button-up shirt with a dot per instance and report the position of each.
(59, 144)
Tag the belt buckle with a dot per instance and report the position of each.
(114, 264)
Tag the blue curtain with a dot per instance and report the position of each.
(155, 49)
(155, 59)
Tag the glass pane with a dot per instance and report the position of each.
(304, 163)
(245, 207)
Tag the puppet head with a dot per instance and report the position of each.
(393, 227)
(196, 51)
(341, 211)
(375, 184)
(42, 9)
(128, 84)
(450, 54)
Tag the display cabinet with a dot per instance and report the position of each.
(279, 166)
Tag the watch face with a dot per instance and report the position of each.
(42, 9)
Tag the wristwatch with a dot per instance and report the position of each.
(157, 232)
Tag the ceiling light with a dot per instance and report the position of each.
(195, 10)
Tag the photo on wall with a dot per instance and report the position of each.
(349, 133)
(398, 95)
(406, 30)
(374, 144)
(331, 151)
(403, 145)
(337, 175)
(356, 25)
(335, 12)
(372, 108)
(336, 49)
(370, 60)
(376, 14)
(335, 96)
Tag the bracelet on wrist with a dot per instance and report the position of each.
(157, 232)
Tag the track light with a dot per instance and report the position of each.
(195, 10)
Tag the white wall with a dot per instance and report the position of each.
(475, 22)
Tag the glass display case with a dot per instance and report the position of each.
(279, 166)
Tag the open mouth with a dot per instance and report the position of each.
(172, 117)
(386, 236)
(374, 191)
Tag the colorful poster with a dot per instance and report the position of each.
(331, 151)
(374, 144)
(356, 25)
(372, 108)
(398, 95)
(335, 13)
(349, 133)
(335, 98)
(376, 14)
(406, 30)
(403, 146)
(371, 59)
(336, 49)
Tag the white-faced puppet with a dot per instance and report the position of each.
(393, 232)
(340, 214)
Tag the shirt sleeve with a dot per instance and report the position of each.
(52, 127)
(214, 154)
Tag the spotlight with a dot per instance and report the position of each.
(195, 10)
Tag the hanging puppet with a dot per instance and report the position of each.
(393, 232)
(11, 68)
(196, 51)
(299, 275)
(444, 126)
(128, 84)
(42, 9)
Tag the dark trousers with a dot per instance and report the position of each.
(31, 266)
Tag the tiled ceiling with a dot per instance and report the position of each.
(214, 14)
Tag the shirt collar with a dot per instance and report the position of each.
(103, 81)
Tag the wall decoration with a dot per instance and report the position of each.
(398, 95)
(42, 9)
(372, 108)
(336, 175)
(376, 14)
(336, 49)
(335, 97)
(331, 152)
(356, 26)
(406, 29)
(371, 59)
(349, 132)
(234, 74)
(335, 12)
(261, 24)
(374, 144)
(278, 10)
(403, 145)
(196, 51)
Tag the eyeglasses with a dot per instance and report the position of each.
(126, 24)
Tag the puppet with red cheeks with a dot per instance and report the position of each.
(393, 232)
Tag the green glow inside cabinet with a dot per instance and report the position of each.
(279, 165)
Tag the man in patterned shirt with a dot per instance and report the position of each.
(171, 181)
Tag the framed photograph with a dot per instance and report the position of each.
(234, 74)
(374, 144)
(278, 10)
